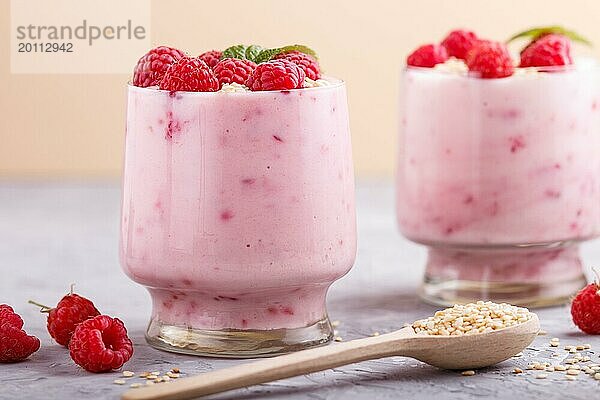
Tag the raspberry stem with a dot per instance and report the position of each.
(44, 309)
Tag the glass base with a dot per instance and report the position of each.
(237, 343)
(526, 276)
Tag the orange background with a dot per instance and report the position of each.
(72, 125)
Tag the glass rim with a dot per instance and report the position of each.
(547, 71)
(334, 83)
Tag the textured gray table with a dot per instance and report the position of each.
(53, 234)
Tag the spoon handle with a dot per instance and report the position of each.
(270, 369)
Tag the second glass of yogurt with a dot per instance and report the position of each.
(500, 179)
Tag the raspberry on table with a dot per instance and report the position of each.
(547, 50)
(233, 70)
(211, 58)
(190, 75)
(490, 60)
(585, 309)
(459, 42)
(276, 75)
(151, 68)
(15, 343)
(8, 316)
(427, 56)
(68, 313)
(308, 63)
(100, 344)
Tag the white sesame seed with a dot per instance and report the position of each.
(560, 368)
(572, 372)
(517, 371)
(375, 334)
(135, 385)
(468, 373)
(539, 367)
(541, 376)
(119, 382)
(570, 377)
(473, 318)
(128, 374)
(597, 377)
(338, 339)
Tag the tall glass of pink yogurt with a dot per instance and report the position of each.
(500, 179)
(238, 214)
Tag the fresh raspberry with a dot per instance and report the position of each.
(211, 58)
(276, 75)
(100, 344)
(548, 50)
(427, 56)
(190, 75)
(233, 70)
(8, 316)
(585, 309)
(490, 60)
(308, 63)
(15, 343)
(69, 312)
(151, 68)
(459, 42)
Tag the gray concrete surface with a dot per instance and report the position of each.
(53, 234)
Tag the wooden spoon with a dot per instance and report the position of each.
(448, 352)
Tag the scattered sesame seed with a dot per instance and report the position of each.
(572, 372)
(560, 368)
(597, 377)
(128, 374)
(555, 339)
(149, 382)
(375, 334)
(542, 332)
(580, 347)
(549, 369)
(587, 346)
(144, 374)
(517, 371)
(166, 378)
(520, 354)
(570, 377)
(468, 373)
(539, 367)
(541, 376)
(554, 344)
(135, 385)
(119, 382)
(570, 361)
(175, 370)
(338, 339)
(574, 367)
(156, 373)
(335, 324)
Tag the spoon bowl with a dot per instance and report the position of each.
(474, 351)
(448, 352)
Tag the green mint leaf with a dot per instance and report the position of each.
(268, 54)
(301, 48)
(237, 51)
(252, 52)
(534, 33)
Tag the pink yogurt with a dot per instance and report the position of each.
(499, 161)
(238, 208)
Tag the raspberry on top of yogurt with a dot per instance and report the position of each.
(238, 68)
(463, 52)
